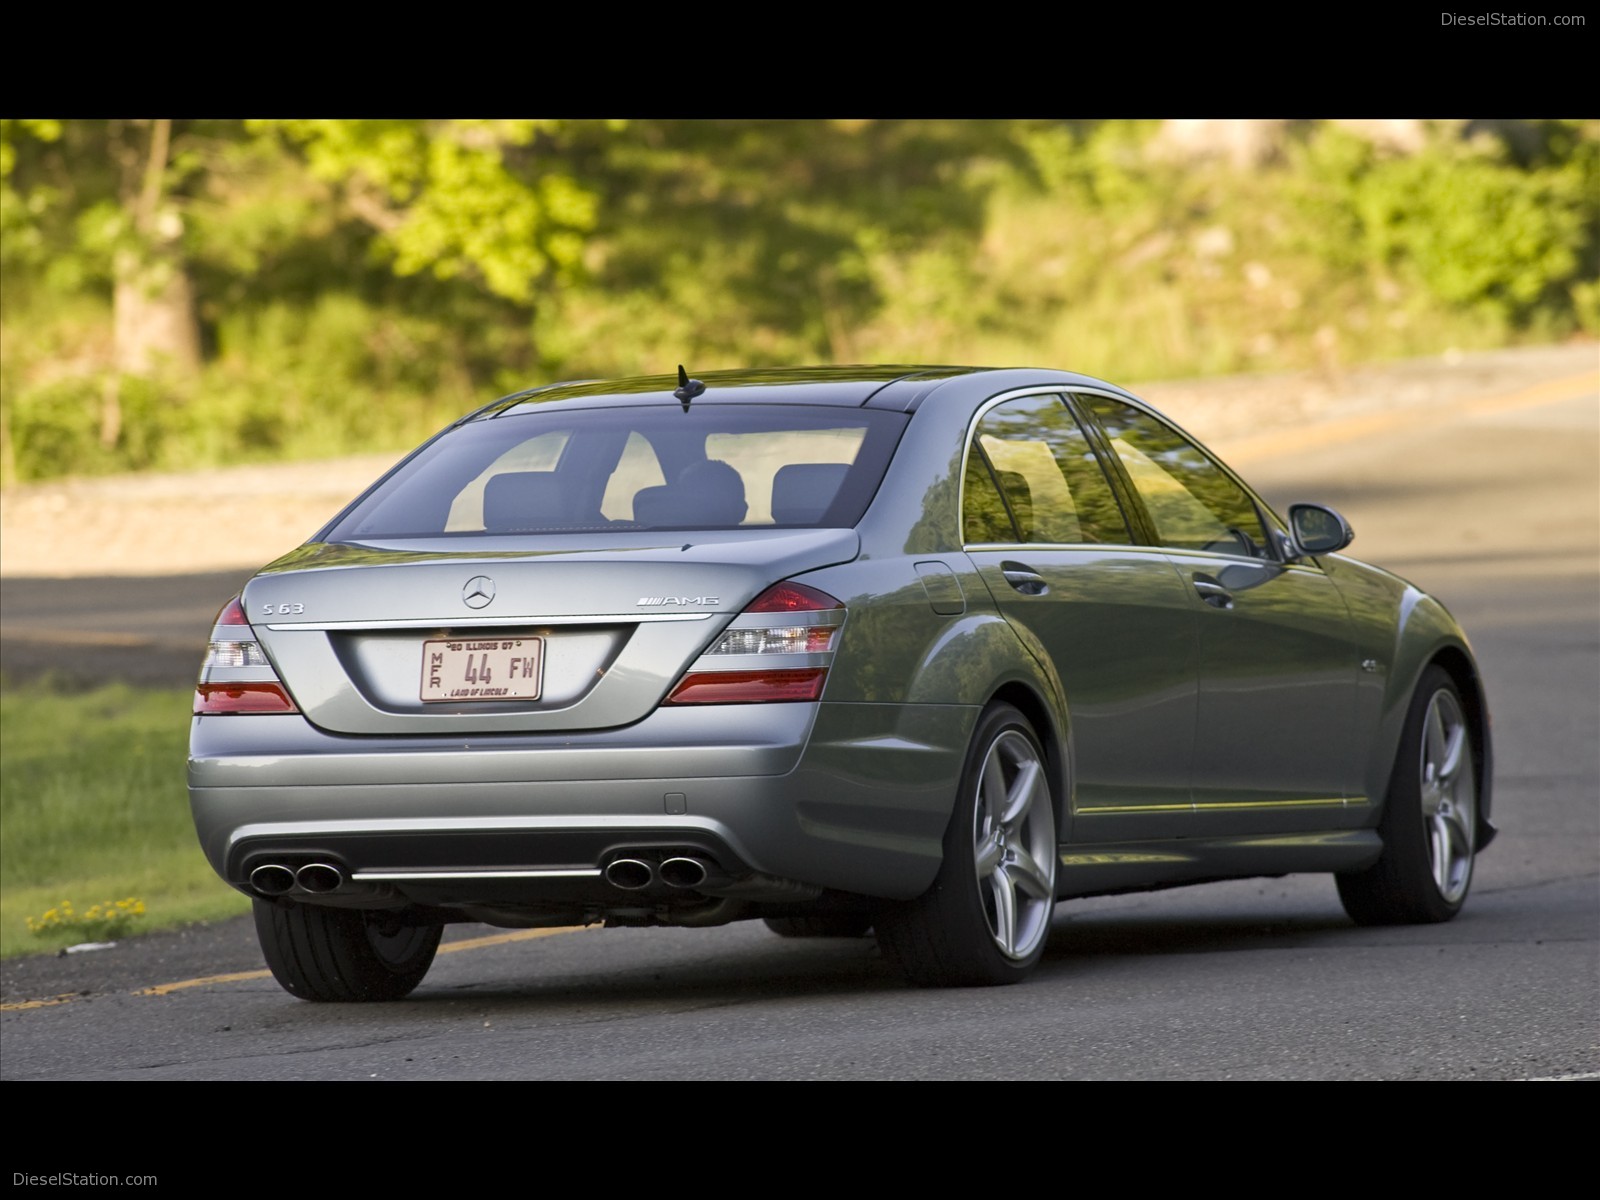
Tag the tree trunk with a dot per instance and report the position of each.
(154, 327)
(153, 302)
(154, 318)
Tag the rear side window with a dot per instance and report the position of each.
(1033, 477)
(598, 470)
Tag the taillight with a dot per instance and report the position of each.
(236, 677)
(232, 699)
(232, 614)
(794, 597)
(777, 650)
(749, 687)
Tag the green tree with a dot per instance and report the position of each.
(492, 200)
(727, 241)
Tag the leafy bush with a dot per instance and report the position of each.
(1472, 226)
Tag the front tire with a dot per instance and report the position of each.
(987, 916)
(317, 952)
(1429, 820)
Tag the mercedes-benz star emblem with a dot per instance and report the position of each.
(478, 592)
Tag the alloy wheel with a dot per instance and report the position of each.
(1448, 788)
(1014, 845)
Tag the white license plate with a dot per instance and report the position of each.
(490, 669)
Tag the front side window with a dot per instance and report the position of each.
(1032, 476)
(1194, 503)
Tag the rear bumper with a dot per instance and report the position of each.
(853, 797)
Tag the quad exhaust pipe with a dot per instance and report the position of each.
(272, 879)
(636, 874)
(627, 874)
(630, 874)
(318, 878)
(683, 872)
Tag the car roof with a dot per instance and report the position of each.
(897, 387)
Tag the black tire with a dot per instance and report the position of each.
(986, 918)
(343, 954)
(1429, 822)
(828, 925)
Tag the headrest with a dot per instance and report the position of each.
(524, 500)
(802, 493)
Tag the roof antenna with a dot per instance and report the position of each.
(688, 388)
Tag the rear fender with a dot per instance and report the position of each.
(897, 649)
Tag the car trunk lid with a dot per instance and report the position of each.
(398, 638)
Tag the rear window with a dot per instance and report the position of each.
(714, 467)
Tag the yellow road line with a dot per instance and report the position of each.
(64, 998)
(500, 939)
(1289, 441)
(166, 989)
(1549, 392)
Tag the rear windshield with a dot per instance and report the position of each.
(596, 470)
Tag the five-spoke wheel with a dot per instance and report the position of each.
(1429, 823)
(986, 918)
(1013, 840)
(1449, 795)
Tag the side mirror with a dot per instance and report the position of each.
(1318, 529)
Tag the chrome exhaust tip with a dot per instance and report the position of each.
(272, 879)
(683, 872)
(320, 878)
(629, 874)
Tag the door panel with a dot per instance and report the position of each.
(1275, 728)
(1119, 629)
(1275, 733)
(1113, 620)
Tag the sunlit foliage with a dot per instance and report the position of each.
(180, 293)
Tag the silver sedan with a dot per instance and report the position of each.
(921, 651)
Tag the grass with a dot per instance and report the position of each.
(93, 809)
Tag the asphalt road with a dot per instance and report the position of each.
(90, 629)
(1498, 513)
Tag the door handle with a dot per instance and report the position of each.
(1025, 579)
(1212, 592)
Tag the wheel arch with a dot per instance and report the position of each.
(1052, 739)
(1463, 673)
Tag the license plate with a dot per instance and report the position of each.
(491, 669)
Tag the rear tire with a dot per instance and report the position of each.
(987, 916)
(830, 925)
(1429, 822)
(318, 952)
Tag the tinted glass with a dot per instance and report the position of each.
(1045, 472)
(1194, 503)
(986, 518)
(718, 467)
